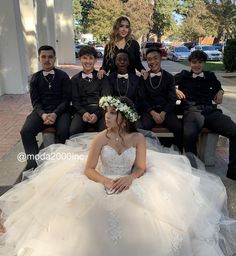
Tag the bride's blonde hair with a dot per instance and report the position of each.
(114, 36)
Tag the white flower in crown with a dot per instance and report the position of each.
(128, 112)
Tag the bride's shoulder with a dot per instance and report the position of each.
(138, 137)
(100, 138)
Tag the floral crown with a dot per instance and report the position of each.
(128, 112)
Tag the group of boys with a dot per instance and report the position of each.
(71, 105)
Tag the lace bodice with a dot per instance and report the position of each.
(117, 164)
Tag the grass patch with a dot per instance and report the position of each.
(211, 65)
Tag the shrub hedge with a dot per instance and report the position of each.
(229, 59)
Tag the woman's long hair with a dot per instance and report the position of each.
(114, 36)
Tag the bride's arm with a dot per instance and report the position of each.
(140, 160)
(124, 183)
(92, 161)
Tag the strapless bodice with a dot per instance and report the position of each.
(117, 164)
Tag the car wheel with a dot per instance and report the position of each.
(99, 55)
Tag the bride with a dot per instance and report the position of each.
(119, 199)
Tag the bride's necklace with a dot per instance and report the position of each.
(155, 86)
(49, 82)
(118, 88)
(116, 137)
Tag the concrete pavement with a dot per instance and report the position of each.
(14, 109)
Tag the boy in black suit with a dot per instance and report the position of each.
(50, 92)
(157, 98)
(124, 83)
(197, 89)
(86, 92)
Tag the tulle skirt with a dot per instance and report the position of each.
(171, 210)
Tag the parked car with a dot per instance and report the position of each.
(100, 50)
(218, 47)
(77, 49)
(212, 54)
(190, 45)
(146, 45)
(178, 53)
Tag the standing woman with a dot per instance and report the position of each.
(121, 38)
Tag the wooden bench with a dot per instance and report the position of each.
(49, 135)
(206, 146)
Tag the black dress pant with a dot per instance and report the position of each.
(79, 126)
(171, 122)
(216, 121)
(33, 125)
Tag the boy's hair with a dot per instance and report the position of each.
(154, 49)
(198, 55)
(122, 51)
(87, 50)
(46, 48)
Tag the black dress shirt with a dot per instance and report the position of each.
(134, 54)
(125, 87)
(159, 94)
(199, 90)
(51, 93)
(87, 92)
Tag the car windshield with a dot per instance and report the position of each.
(148, 45)
(208, 48)
(181, 49)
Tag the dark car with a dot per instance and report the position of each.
(190, 45)
(147, 45)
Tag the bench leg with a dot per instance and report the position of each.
(207, 144)
(48, 139)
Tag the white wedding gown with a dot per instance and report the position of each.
(170, 210)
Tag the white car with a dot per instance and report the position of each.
(178, 53)
(212, 53)
(100, 51)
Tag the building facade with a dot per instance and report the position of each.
(25, 25)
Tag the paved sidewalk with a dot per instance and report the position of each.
(15, 108)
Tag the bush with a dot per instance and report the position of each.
(229, 59)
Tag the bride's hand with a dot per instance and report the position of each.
(108, 183)
(122, 184)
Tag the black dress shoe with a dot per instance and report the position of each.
(231, 175)
(28, 167)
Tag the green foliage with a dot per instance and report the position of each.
(230, 55)
(184, 6)
(210, 65)
(104, 14)
(76, 16)
(225, 13)
(199, 22)
(163, 19)
(216, 18)
(102, 17)
(86, 8)
(140, 15)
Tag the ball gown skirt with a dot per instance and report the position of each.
(171, 210)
